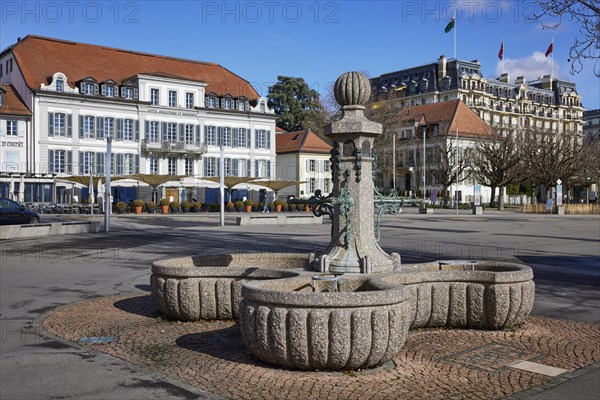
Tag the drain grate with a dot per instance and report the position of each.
(97, 339)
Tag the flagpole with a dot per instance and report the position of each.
(457, 170)
(552, 66)
(503, 65)
(454, 19)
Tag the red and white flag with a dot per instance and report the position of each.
(501, 52)
(550, 49)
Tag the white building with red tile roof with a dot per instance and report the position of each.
(166, 116)
(303, 156)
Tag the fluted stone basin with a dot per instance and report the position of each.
(209, 287)
(495, 295)
(285, 323)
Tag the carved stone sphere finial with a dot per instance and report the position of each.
(352, 89)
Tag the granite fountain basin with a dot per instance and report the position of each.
(486, 295)
(285, 323)
(209, 287)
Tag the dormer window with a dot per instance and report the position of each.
(226, 103)
(60, 85)
(129, 91)
(211, 102)
(108, 90)
(241, 105)
(89, 88)
(262, 106)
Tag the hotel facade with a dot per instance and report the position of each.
(165, 116)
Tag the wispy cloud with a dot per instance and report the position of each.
(531, 67)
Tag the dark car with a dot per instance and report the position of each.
(13, 213)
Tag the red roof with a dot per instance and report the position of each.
(40, 57)
(301, 142)
(453, 114)
(12, 103)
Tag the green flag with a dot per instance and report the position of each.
(450, 26)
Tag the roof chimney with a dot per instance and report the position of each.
(520, 80)
(441, 69)
(504, 77)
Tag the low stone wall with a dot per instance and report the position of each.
(209, 287)
(39, 230)
(493, 296)
(568, 209)
(279, 219)
(284, 323)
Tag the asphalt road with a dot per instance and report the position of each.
(38, 275)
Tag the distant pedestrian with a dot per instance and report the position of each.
(266, 204)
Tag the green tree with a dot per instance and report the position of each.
(298, 106)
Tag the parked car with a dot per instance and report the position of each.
(13, 213)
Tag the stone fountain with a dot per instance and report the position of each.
(357, 310)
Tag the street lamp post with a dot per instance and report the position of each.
(394, 161)
(423, 123)
(107, 202)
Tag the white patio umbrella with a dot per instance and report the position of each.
(22, 189)
(100, 193)
(11, 188)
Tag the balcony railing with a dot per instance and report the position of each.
(173, 147)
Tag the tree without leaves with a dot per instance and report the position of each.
(297, 105)
(587, 14)
(496, 162)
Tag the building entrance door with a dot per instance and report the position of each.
(172, 192)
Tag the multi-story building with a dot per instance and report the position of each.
(303, 156)
(545, 103)
(165, 115)
(591, 129)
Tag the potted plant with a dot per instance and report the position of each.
(255, 207)
(151, 206)
(307, 207)
(231, 206)
(248, 203)
(120, 206)
(138, 205)
(284, 206)
(197, 206)
(185, 206)
(291, 207)
(174, 206)
(164, 205)
(214, 208)
(239, 206)
(277, 204)
(271, 207)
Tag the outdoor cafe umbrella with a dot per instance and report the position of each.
(154, 180)
(22, 189)
(231, 181)
(11, 188)
(276, 185)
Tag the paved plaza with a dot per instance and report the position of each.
(56, 291)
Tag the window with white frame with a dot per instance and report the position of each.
(261, 139)
(109, 127)
(128, 93)
(189, 134)
(11, 128)
(262, 107)
(171, 132)
(210, 166)
(129, 164)
(242, 167)
(154, 97)
(60, 163)
(189, 100)
(327, 185)
(88, 162)
(109, 90)
(211, 136)
(60, 85)
(242, 137)
(59, 124)
(227, 164)
(127, 129)
(312, 166)
(88, 88)
(311, 185)
(241, 105)
(89, 127)
(211, 102)
(172, 98)
(153, 128)
(326, 166)
(153, 165)
(172, 165)
(227, 137)
(226, 103)
(189, 166)
(263, 169)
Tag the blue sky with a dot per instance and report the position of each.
(316, 40)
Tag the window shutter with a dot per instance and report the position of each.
(21, 128)
(135, 93)
(122, 91)
(269, 169)
(136, 168)
(217, 162)
(205, 134)
(198, 135)
(96, 89)
(205, 162)
(235, 167)
(137, 130)
(307, 167)
(256, 171)
(69, 162)
(81, 127)
(256, 138)
(100, 128)
(182, 133)
(81, 163)
(50, 161)
(103, 90)
(100, 163)
(50, 124)
(119, 123)
(69, 125)
(2, 124)
(248, 138)
(147, 130)
(120, 162)
(248, 168)
(81, 87)
(163, 131)
(219, 136)
(268, 134)
(235, 137)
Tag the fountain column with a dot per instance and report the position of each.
(353, 247)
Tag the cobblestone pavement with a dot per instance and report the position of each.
(449, 364)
